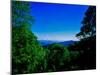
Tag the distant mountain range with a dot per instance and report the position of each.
(48, 42)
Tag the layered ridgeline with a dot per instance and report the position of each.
(30, 55)
(48, 42)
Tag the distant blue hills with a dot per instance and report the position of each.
(48, 42)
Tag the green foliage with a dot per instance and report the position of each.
(26, 51)
(21, 13)
(74, 55)
(28, 56)
(58, 56)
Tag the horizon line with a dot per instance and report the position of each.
(56, 40)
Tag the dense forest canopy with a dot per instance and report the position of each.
(26, 51)
(28, 56)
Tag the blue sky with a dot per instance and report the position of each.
(57, 21)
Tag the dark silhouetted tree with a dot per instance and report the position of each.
(89, 24)
(87, 36)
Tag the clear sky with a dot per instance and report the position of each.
(57, 21)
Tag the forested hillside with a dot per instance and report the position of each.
(29, 56)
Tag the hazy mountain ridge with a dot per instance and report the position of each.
(48, 42)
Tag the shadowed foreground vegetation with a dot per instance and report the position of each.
(28, 56)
